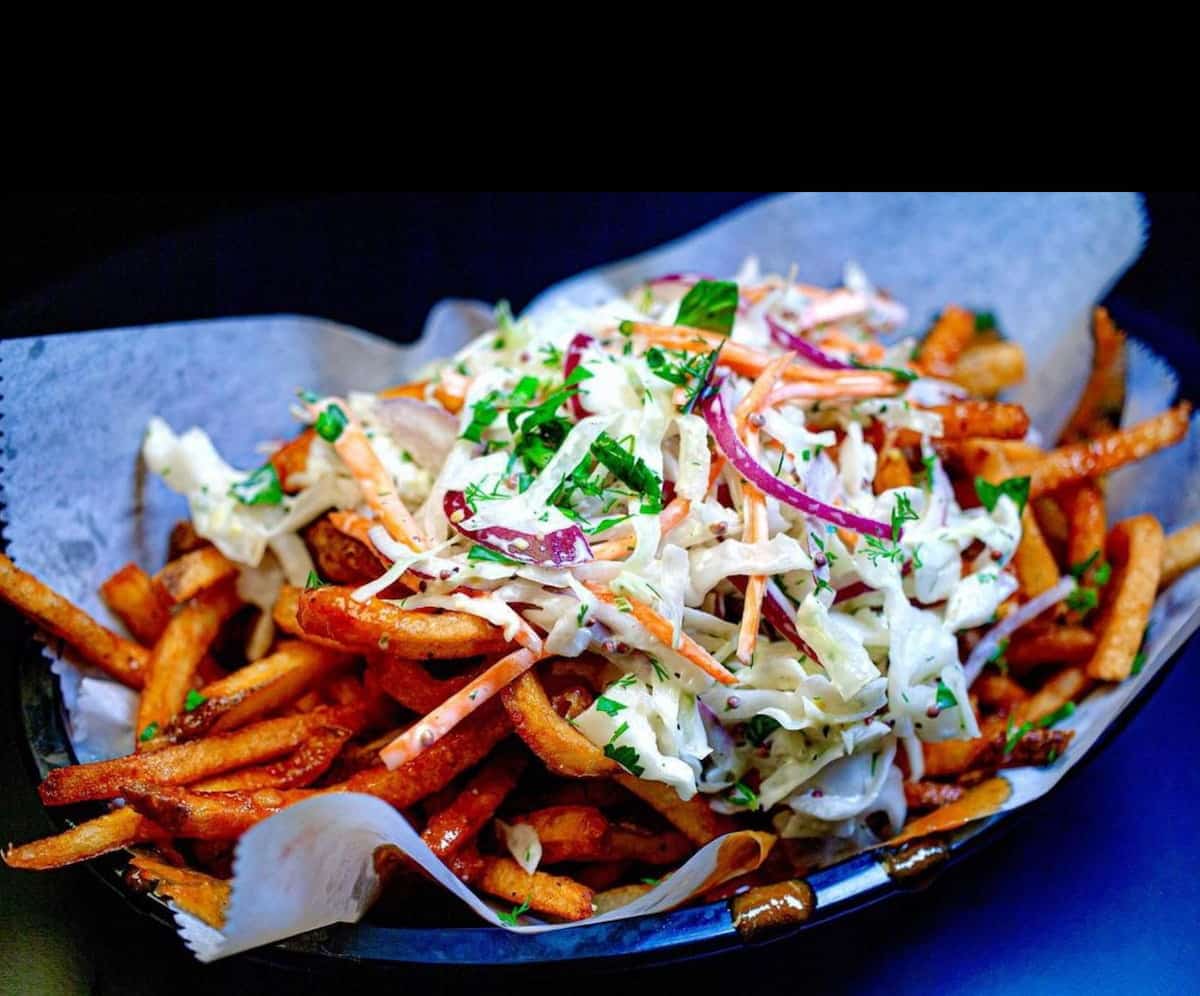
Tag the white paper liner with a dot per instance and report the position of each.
(79, 506)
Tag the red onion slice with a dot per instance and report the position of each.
(815, 355)
(557, 548)
(712, 406)
(572, 359)
(778, 610)
(988, 646)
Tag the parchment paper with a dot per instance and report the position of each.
(79, 505)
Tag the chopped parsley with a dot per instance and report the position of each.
(478, 553)
(149, 733)
(902, 375)
(759, 728)
(581, 615)
(483, 413)
(985, 321)
(610, 707)
(876, 549)
(1139, 662)
(552, 355)
(331, 423)
(314, 581)
(308, 397)
(624, 755)
(1077, 571)
(511, 918)
(660, 672)
(260, 487)
(702, 375)
(631, 470)
(902, 512)
(710, 305)
(945, 697)
(1064, 711)
(1016, 488)
(743, 795)
(1083, 599)
(650, 881)
(193, 701)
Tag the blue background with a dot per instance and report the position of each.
(1094, 888)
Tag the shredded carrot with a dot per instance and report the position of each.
(424, 734)
(374, 480)
(848, 387)
(659, 627)
(834, 337)
(413, 389)
(451, 390)
(761, 389)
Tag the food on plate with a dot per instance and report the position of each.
(611, 583)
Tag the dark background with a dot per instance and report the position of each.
(1096, 887)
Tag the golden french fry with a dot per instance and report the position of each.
(287, 606)
(695, 818)
(562, 748)
(451, 828)
(664, 847)
(892, 470)
(988, 368)
(551, 895)
(1069, 685)
(257, 689)
(1181, 553)
(300, 769)
(1037, 645)
(194, 572)
(1034, 563)
(292, 458)
(184, 763)
(622, 895)
(569, 833)
(946, 341)
(184, 539)
(121, 659)
(330, 613)
(1085, 506)
(110, 832)
(999, 692)
(953, 757)
(340, 558)
(176, 657)
(410, 684)
(205, 897)
(1098, 410)
(1094, 457)
(141, 603)
(1135, 549)
(208, 815)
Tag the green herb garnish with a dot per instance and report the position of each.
(1016, 488)
(610, 707)
(945, 697)
(193, 701)
(743, 795)
(260, 487)
(478, 553)
(759, 728)
(710, 305)
(330, 423)
(149, 733)
(511, 918)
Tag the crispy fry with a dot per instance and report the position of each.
(622, 895)
(141, 603)
(184, 763)
(1034, 563)
(1181, 553)
(597, 875)
(292, 458)
(205, 897)
(695, 818)
(1078, 461)
(999, 692)
(996, 748)
(285, 612)
(208, 815)
(562, 748)
(1049, 644)
(451, 828)
(570, 833)
(110, 832)
(300, 769)
(1069, 685)
(1053, 522)
(664, 847)
(952, 757)
(121, 659)
(332, 614)
(892, 471)
(1085, 506)
(192, 573)
(551, 895)
(177, 654)
(462, 748)
(1135, 549)
(974, 420)
(945, 342)
(988, 368)
(340, 558)
(257, 689)
(411, 684)
(184, 539)
(1098, 410)
(931, 795)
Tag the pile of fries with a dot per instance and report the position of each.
(466, 725)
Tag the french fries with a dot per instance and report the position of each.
(448, 830)
(193, 572)
(1050, 644)
(570, 833)
(141, 603)
(1181, 553)
(183, 763)
(176, 657)
(551, 895)
(946, 341)
(1076, 462)
(121, 828)
(1135, 549)
(121, 659)
(331, 614)
(208, 815)
(291, 459)
(340, 558)
(193, 892)
(303, 767)
(988, 368)
(694, 818)
(562, 748)
(1098, 410)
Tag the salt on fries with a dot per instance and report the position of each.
(618, 626)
